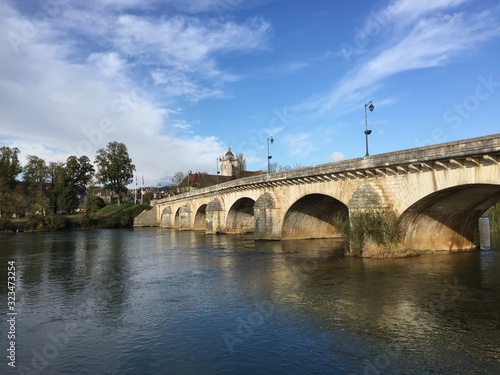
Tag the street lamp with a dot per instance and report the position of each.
(217, 162)
(371, 107)
(189, 180)
(269, 140)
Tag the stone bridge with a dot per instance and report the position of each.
(438, 193)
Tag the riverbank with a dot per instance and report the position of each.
(110, 217)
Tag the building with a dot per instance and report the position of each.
(229, 164)
(231, 168)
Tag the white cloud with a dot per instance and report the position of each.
(430, 39)
(410, 10)
(108, 64)
(186, 43)
(336, 156)
(295, 66)
(299, 144)
(60, 98)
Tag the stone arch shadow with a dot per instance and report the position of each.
(312, 216)
(448, 219)
(240, 217)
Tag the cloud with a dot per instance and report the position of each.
(184, 42)
(221, 7)
(407, 11)
(294, 67)
(71, 90)
(109, 64)
(430, 39)
(299, 144)
(336, 156)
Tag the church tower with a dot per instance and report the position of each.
(229, 164)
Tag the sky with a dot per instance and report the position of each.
(181, 81)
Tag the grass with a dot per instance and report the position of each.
(372, 233)
(111, 216)
(114, 209)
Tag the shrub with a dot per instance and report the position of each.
(49, 223)
(35, 222)
(6, 225)
(121, 219)
(54, 222)
(364, 229)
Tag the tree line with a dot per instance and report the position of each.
(47, 188)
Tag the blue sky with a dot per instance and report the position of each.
(178, 81)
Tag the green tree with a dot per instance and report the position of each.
(57, 184)
(69, 181)
(80, 172)
(93, 203)
(114, 168)
(9, 170)
(35, 176)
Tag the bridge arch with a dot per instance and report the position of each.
(200, 218)
(177, 218)
(312, 216)
(240, 217)
(448, 218)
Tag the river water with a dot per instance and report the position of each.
(156, 301)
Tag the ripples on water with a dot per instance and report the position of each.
(151, 301)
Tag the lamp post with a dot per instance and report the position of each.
(189, 180)
(269, 140)
(217, 162)
(371, 107)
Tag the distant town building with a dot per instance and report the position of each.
(229, 165)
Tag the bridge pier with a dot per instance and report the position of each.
(166, 219)
(215, 217)
(185, 222)
(267, 218)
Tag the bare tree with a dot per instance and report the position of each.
(242, 166)
(276, 167)
(178, 178)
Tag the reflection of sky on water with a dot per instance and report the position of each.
(152, 299)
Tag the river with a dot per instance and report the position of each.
(156, 301)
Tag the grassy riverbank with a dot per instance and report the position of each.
(112, 216)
